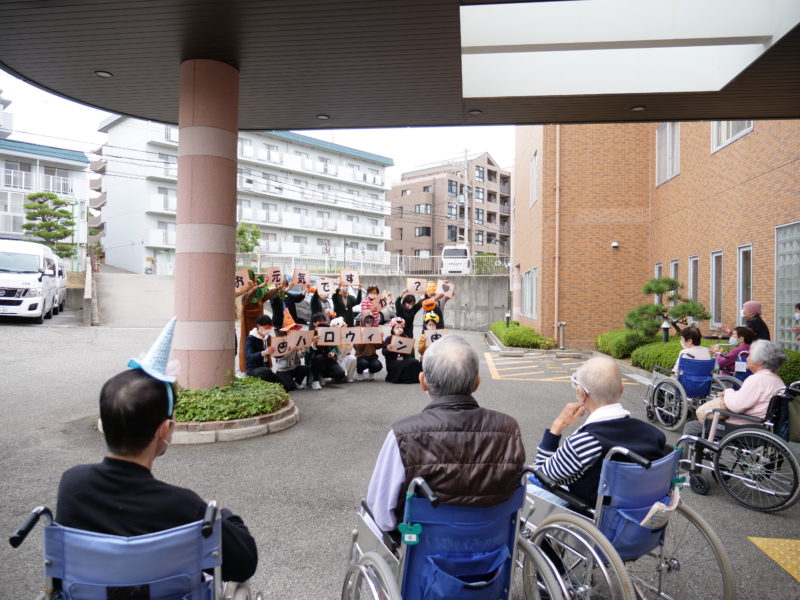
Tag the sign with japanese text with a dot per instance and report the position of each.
(325, 285)
(383, 300)
(279, 345)
(371, 335)
(300, 277)
(431, 335)
(241, 279)
(348, 277)
(274, 276)
(328, 336)
(443, 286)
(401, 345)
(351, 335)
(416, 286)
(300, 339)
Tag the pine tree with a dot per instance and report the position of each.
(647, 318)
(50, 221)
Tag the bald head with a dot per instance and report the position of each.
(602, 377)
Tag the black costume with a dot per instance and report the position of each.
(401, 368)
(343, 306)
(119, 497)
(756, 323)
(407, 316)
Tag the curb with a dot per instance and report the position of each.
(496, 345)
(237, 429)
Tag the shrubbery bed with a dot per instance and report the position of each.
(619, 343)
(240, 399)
(518, 336)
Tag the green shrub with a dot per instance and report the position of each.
(790, 370)
(518, 336)
(242, 398)
(621, 342)
(659, 353)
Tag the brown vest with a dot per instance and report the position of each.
(470, 456)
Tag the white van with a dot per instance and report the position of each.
(61, 286)
(28, 285)
(456, 260)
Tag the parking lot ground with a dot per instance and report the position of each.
(297, 490)
(541, 367)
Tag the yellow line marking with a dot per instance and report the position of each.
(490, 364)
(783, 551)
(516, 368)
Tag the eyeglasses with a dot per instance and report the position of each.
(573, 379)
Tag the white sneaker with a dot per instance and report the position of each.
(300, 386)
(359, 377)
(371, 376)
(326, 380)
(315, 385)
(322, 382)
(350, 380)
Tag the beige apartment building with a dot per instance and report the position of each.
(714, 204)
(430, 209)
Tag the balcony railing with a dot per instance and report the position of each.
(18, 179)
(57, 185)
(162, 237)
(163, 203)
(505, 209)
(505, 229)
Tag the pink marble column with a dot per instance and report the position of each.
(208, 119)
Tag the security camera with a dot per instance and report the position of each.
(615, 245)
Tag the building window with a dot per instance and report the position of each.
(427, 188)
(744, 277)
(452, 210)
(479, 238)
(373, 222)
(353, 245)
(422, 253)
(300, 211)
(479, 194)
(694, 277)
(479, 215)
(452, 233)
(170, 164)
(716, 289)
(171, 133)
(534, 178)
(668, 151)
(323, 214)
(530, 293)
(658, 273)
(269, 152)
(674, 274)
(725, 132)
(169, 198)
(300, 239)
(479, 173)
(405, 192)
(787, 284)
(245, 148)
(452, 187)
(372, 247)
(425, 209)
(422, 231)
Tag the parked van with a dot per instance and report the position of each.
(28, 285)
(61, 286)
(456, 260)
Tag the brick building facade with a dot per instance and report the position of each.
(607, 207)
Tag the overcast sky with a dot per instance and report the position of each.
(43, 118)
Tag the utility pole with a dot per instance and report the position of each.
(466, 202)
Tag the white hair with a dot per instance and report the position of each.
(767, 354)
(602, 377)
(451, 367)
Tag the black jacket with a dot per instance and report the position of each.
(407, 316)
(344, 308)
(253, 347)
(760, 328)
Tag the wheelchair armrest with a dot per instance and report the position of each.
(663, 370)
(209, 518)
(388, 540)
(728, 413)
(23, 530)
(557, 490)
(713, 446)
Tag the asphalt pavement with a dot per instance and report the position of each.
(297, 490)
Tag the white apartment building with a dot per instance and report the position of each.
(308, 197)
(31, 168)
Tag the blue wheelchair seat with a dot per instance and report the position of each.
(463, 552)
(695, 376)
(629, 491)
(166, 565)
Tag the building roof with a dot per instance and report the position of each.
(405, 63)
(48, 151)
(309, 141)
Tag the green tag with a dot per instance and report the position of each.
(410, 533)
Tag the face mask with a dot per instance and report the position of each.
(683, 343)
(797, 316)
(741, 312)
(398, 330)
(733, 340)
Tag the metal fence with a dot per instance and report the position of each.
(396, 265)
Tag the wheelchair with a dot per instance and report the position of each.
(166, 565)
(752, 463)
(604, 552)
(671, 401)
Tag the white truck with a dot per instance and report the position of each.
(28, 280)
(456, 260)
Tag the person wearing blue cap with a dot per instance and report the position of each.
(120, 496)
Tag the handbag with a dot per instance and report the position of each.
(705, 409)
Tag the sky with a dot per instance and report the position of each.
(43, 118)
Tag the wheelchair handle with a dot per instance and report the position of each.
(31, 520)
(207, 528)
(419, 482)
(633, 456)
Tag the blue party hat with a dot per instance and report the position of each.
(155, 361)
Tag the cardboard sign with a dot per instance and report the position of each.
(401, 345)
(351, 335)
(300, 339)
(416, 286)
(431, 335)
(300, 277)
(241, 279)
(371, 335)
(274, 276)
(328, 336)
(325, 285)
(443, 286)
(383, 300)
(349, 277)
(279, 345)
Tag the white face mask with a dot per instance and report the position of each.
(683, 343)
(797, 316)
(741, 312)
(733, 340)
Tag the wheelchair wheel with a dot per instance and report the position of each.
(698, 484)
(670, 405)
(587, 563)
(370, 578)
(540, 580)
(721, 383)
(758, 470)
(690, 563)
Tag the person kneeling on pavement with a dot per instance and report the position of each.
(288, 367)
(367, 361)
(257, 351)
(322, 360)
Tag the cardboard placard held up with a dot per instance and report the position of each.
(300, 339)
(300, 277)
(351, 335)
(431, 335)
(401, 345)
(274, 276)
(349, 277)
(443, 286)
(416, 286)
(241, 279)
(328, 336)
(383, 300)
(325, 285)
(279, 345)
(371, 335)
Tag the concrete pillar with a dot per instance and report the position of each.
(516, 293)
(208, 119)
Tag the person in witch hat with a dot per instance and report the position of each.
(120, 495)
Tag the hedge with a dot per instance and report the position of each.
(790, 371)
(240, 399)
(518, 336)
(621, 342)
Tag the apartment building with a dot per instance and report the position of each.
(713, 204)
(455, 203)
(308, 197)
(32, 168)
